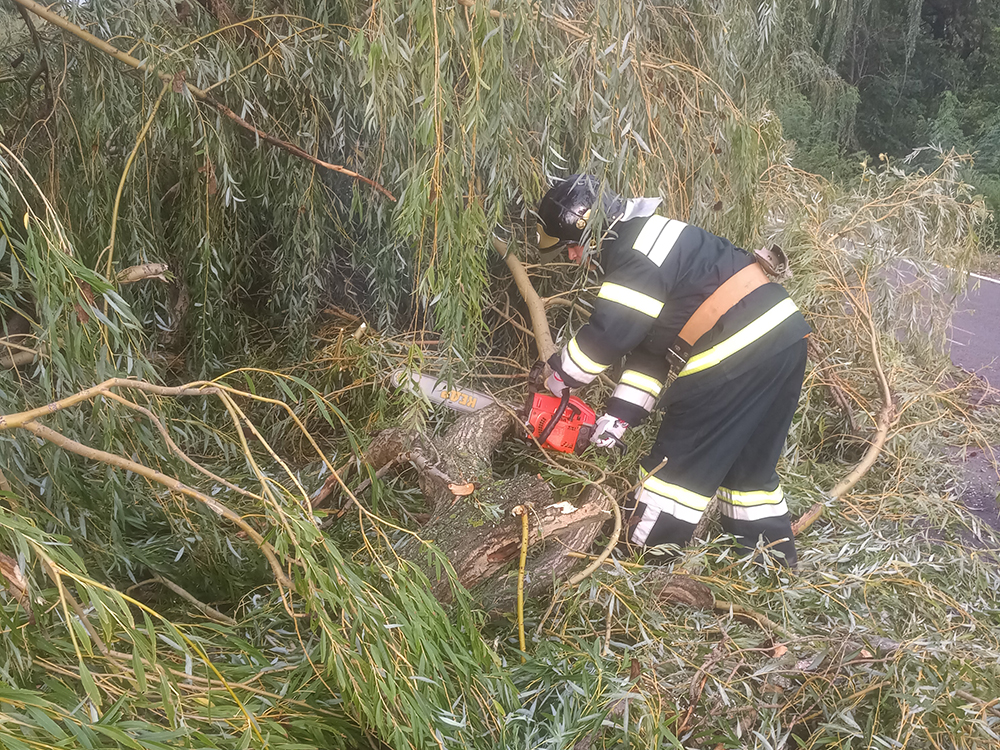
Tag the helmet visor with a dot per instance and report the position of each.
(546, 241)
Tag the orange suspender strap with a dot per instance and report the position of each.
(719, 302)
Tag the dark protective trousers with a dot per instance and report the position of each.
(725, 440)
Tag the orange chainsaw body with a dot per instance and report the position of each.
(572, 431)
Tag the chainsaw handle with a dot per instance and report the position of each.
(560, 410)
(536, 376)
(618, 442)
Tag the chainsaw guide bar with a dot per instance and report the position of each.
(561, 424)
(459, 399)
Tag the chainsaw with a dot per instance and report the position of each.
(565, 424)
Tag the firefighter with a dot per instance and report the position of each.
(676, 296)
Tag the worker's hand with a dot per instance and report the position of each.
(608, 432)
(555, 384)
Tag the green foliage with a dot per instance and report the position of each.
(925, 73)
(461, 114)
(817, 147)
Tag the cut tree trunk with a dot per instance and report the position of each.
(471, 518)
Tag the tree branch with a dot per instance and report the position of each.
(211, 612)
(175, 449)
(536, 307)
(174, 485)
(43, 63)
(12, 360)
(199, 388)
(121, 183)
(521, 511)
(144, 271)
(75, 605)
(884, 421)
(833, 384)
(197, 93)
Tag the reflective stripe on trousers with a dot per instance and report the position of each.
(752, 506)
(662, 497)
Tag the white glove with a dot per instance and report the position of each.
(555, 384)
(608, 432)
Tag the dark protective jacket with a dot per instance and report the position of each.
(658, 271)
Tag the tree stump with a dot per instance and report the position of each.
(471, 519)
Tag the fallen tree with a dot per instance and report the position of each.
(472, 512)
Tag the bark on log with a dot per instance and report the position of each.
(477, 532)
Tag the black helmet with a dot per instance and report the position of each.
(565, 209)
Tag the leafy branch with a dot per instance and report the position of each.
(27, 421)
(176, 81)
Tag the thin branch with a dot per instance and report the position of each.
(75, 605)
(510, 319)
(41, 552)
(808, 518)
(32, 31)
(19, 419)
(43, 63)
(563, 302)
(885, 417)
(833, 383)
(176, 450)
(8, 344)
(237, 414)
(328, 487)
(424, 464)
(88, 626)
(319, 453)
(121, 183)
(612, 543)
(762, 620)
(210, 612)
(284, 145)
(194, 683)
(616, 532)
(990, 706)
(197, 93)
(521, 511)
(174, 485)
(698, 682)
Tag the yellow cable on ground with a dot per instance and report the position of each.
(523, 512)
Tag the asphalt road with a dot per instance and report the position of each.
(975, 337)
(975, 346)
